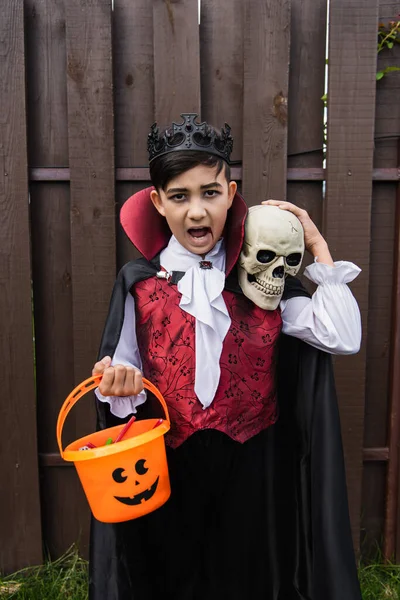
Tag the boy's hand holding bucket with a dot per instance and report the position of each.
(119, 380)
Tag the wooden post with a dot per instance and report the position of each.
(380, 304)
(92, 203)
(20, 524)
(392, 486)
(351, 117)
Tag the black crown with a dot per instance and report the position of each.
(190, 135)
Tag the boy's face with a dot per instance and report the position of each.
(195, 205)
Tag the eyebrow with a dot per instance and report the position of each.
(202, 187)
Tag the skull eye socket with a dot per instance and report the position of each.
(140, 468)
(118, 477)
(265, 256)
(293, 260)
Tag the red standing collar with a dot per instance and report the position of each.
(149, 232)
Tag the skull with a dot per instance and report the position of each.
(273, 248)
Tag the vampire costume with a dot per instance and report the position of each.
(258, 508)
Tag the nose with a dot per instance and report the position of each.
(278, 273)
(196, 210)
(279, 270)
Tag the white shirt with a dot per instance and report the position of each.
(329, 320)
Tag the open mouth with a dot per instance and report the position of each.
(199, 234)
(139, 498)
(267, 288)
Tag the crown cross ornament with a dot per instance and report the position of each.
(190, 135)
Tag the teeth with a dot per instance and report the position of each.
(268, 288)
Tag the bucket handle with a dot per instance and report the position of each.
(91, 384)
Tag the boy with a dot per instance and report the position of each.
(251, 500)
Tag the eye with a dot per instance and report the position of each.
(211, 193)
(178, 198)
(265, 256)
(140, 468)
(293, 259)
(118, 477)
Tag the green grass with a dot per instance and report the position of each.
(66, 578)
(380, 581)
(63, 579)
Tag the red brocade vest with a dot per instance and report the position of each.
(245, 401)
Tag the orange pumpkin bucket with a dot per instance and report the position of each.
(126, 479)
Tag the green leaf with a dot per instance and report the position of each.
(390, 69)
(390, 45)
(379, 75)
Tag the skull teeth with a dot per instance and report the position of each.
(267, 288)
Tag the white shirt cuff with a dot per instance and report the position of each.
(342, 272)
(122, 406)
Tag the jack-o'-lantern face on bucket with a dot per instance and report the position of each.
(138, 478)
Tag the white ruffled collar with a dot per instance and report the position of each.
(201, 290)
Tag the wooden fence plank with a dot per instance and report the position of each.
(266, 70)
(221, 62)
(351, 110)
(387, 152)
(51, 267)
(176, 59)
(91, 151)
(378, 350)
(134, 100)
(306, 109)
(20, 509)
(91, 157)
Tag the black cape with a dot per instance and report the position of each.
(311, 535)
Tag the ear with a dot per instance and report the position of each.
(157, 201)
(232, 189)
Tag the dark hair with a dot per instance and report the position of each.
(167, 166)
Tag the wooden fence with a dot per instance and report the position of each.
(80, 83)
